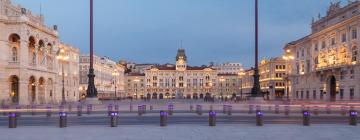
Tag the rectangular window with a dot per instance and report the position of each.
(297, 94)
(302, 94)
(333, 42)
(321, 94)
(314, 94)
(323, 44)
(307, 95)
(352, 93)
(343, 37)
(354, 33)
(341, 94)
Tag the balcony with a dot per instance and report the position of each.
(13, 64)
(322, 67)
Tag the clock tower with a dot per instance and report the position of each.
(181, 60)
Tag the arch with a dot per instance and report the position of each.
(161, 96)
(14, 89)
(154, 95)
(41, 52)
(167, 95)
(332, 87)
(148, 96)
(32, 50)
(173, 96)
(195, 96)
(32, 89)
(14, 38)
(201, 96)
(41, 90)
(188, 96)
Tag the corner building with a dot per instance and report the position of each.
(326, 62)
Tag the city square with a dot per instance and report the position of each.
(307, 88)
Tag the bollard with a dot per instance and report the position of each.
(191, 107)
(316, 110)
(171, 109)
(328, 109)
(343, 110)
(277, 109)
(287, 110)
(79, 110)
(117, 108)
(12, 120)
(259, 116)
(306, 118)
(144, 109)
(163, 118)
(229, 110)
(63, 119)
(48, 111)
(113, 119)
(199, 110)
(352, 117)
(88, 109)
(110, 109)
(212, 118)
(33, 110)
(139, 110)
(251, 109)
(18, 111)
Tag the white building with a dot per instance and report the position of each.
(326, 62)
(29, 70)
(107, 73)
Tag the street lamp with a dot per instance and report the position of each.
(256, 91)
(287, 57)
(115, 74)
(62, 57)
(241, 74)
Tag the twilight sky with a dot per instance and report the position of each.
(150, 31)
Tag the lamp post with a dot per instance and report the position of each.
(256, 91)
(115, 74)
(91, 90)
(287, 57)
(62, 57)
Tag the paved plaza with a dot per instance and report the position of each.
(185, 132)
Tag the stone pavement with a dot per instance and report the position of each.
(185, 132)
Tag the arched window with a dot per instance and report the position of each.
(14, 54)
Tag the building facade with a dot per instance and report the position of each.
(108, 76)
(272, 78)
(29, 69)
(326, 62)
(181, 81)
(228, 68)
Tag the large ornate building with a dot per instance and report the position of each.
(326, 62)
(29, 69)
(181, 81)
(109, 76)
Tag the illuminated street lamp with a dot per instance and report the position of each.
(115, 74)
(241, 74)
(62, 56)
(287, 58)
